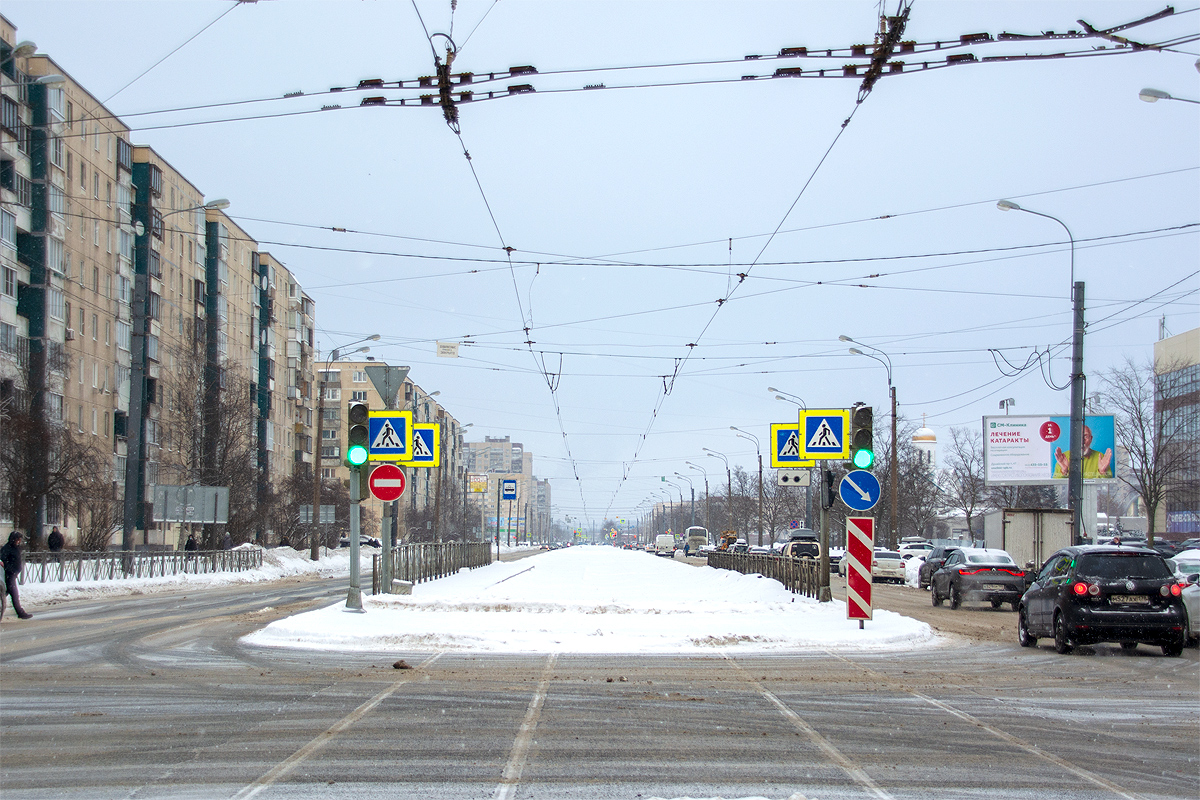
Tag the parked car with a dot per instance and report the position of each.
(1191, 607)
(886, 565)
(759, 549)
(664, 545)
(933, 562)
(802, 548)
(1104, 593)
(975, 573)
(740, 546)
(363, 541)
(1185, 563)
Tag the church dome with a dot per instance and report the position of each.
(924, 435)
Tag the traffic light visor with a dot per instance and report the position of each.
(357, 444)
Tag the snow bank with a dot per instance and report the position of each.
(278, 562)
(594, 600)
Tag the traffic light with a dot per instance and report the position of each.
(358, 439)
(828, 491)
(862, 435)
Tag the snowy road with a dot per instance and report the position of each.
(158, 697)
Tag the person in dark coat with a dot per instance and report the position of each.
(54, 542)
(14, 561)
(190, 544)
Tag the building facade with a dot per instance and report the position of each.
(1177, 413)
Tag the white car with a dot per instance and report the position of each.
(1187, 567)
(886, 565)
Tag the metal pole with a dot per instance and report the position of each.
(824, 594)
(893, 534)
(314, 544)
(1075, 473)
(729, 505)
(760, 500)
(354, 594)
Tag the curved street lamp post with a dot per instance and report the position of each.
(751, 437)
(893, 534)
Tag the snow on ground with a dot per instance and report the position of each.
(593, 600)
(912, 572)
(278, 563)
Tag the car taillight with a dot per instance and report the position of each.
(1176, 590)
(1018, 573)
(1094, 590)
(1080, 588)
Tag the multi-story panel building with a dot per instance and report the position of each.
(1177, 414)
(527, 518)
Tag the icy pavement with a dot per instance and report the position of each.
(594, 600)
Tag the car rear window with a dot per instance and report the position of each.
(989, 558)
(806, 549)
(1121, 565)
(886, 554)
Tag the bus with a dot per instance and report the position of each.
(694, 538)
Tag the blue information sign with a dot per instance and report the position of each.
(508, 490)
(859, 490)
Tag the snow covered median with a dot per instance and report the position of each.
(594, 600)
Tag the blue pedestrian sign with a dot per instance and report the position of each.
(859, 490)
(390, 435)
(786, 451)
(426, 445)
(508, 490)
(823, 434)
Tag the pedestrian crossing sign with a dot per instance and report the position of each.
(426, 445)
(390, 435)
(785, 450)
(823, 434)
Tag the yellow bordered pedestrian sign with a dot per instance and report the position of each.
(426, 447)
(389, 435)
(825, 434)
(785, 447)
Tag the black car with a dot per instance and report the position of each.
(933, 562)
(973, 573)
(1104, 593)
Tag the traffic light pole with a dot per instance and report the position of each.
(824, 594)
(354, 595)
(893, 534)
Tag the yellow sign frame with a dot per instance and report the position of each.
(825, 413)
(776, 462)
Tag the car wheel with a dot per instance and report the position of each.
(1023, 635)
(1174, 648)
(933, 594)
(955, 596)
(1062, 645)
(997, 603)
(1015, 605)
(1129, 645)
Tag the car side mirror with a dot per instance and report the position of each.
(1194, 578)
(1029, 566)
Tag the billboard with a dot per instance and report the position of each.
(1029, 450)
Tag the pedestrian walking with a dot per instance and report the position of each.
(14, 561)
(190, 544)
(227, 542)
(54, 542)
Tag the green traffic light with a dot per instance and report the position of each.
(356, 455)
(863, 459)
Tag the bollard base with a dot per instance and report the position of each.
(401, 587)
(354, 600)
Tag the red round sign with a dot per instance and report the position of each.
(387, 482)
(1050, 431)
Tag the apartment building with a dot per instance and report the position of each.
(138, 319)
(527, 518)
(1177, 413)
(343, 382)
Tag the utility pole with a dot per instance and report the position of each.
(893, 534)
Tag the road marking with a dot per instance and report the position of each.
(285, 767)
(856, 773)
(1004, 736)
(516, 759)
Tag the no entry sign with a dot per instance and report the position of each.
(386, 482)
(860, 547)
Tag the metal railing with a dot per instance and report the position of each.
(799, 575)
(46, 567)
(424, 562)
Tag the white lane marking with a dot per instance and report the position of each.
(1005, 736)
(283, 768)
(855, 772)
(1028, 748)
(520, 749)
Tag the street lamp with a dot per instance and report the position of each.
(1154, 95)
(751, 437)
(679, 489)
(1075, 466)
(707, 498)
(893, 535)
(692, 513)
(728, 484)
(791, 398)
(1006, 404)
(314, 551)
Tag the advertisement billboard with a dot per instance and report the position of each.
(1028, 450)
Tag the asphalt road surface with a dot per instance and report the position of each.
(154, 697)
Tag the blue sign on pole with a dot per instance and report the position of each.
(508, 490)
(859, 490)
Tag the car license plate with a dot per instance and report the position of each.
(1129, 599)
(995, 586)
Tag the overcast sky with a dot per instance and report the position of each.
(631, 211)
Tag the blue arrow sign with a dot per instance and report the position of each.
(859, 490)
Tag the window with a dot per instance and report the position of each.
(56, 151)
(94, 422)
(8, 285)
(58, 200)
(107, 333)
(95, 327)
(8, 230)
(95, 374)
(360, 376)
(55, 254)
(359, 396)
(330, 433)
(96, 185)
(152, 347)
(332, 393)
(327, 473)
(123, 331)
(8, 338)
(57, 303)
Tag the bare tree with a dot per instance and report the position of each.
(1156, 420)
(962, 480)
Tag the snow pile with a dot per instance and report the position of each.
(912, 569)
(278, 563)
(593, 600)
